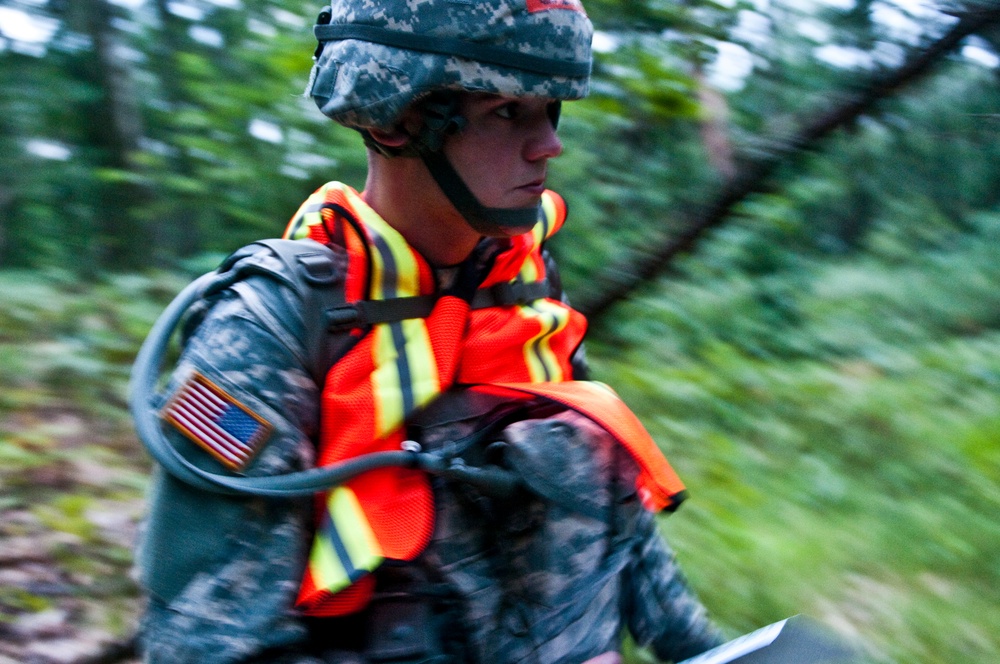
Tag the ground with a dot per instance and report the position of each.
(69, 512)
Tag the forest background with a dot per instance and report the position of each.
(784, 221)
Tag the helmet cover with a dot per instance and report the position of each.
(377, 57)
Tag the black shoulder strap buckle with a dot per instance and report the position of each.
(509, 294)
(373, 312)
(319, 270)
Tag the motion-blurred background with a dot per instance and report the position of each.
(784, 221)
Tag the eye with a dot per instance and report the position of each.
(508, 111)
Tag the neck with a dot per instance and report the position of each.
(403, 193)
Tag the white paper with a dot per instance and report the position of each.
(746, 644)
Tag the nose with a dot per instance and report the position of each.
(544, 142)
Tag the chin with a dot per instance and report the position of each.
(512, 231)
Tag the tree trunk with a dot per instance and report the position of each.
(117, 128)
(714, 128)
(176, 232)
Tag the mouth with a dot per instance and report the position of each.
(535, 187)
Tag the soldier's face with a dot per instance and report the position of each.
(502, 154)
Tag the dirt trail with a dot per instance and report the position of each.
(70, 504)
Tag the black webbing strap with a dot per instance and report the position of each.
(371, 312)
(144, 401)
(451, 46)
(486, 220)
(507, 294)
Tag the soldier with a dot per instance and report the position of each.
(450, 336)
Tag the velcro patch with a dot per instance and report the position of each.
(542, 5)
(217, 422)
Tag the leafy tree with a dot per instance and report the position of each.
(640, 267)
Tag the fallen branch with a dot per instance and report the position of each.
(621, 280)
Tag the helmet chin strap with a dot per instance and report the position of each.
(495, 222)
(441, 119)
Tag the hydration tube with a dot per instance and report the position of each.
(142, 402)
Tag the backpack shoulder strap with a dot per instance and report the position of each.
(311, 274)
(315, 273)
(308, 307)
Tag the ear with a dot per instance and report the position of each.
(394, 137)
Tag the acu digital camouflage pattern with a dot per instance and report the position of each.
(537, 581)
(367, 85)
(558, 580)
(221, 572)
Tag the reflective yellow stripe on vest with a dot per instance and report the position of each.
(347, 548)
(398, 367)
(406, 377)
(307, 215)
(543, 364)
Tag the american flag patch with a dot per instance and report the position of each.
(542, 5)
(217, 422)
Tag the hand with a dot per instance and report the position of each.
(606, 658)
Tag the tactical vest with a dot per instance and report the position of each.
(413, 344)
(389, 328)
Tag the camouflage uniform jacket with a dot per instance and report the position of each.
(531, 580)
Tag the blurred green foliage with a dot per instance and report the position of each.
(71, 472)
(823, 372)
(843, 459)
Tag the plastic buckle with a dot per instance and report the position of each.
(504, 295)
(339, 318)
(318, 269)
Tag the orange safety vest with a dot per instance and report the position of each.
(399, 367)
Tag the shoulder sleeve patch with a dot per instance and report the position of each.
(216, 422)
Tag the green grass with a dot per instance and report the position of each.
(842, 453)
(71, 473)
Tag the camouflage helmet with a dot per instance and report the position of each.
(376, 57)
